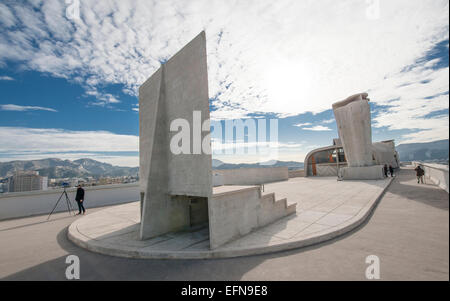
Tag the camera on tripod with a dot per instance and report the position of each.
(64, 185)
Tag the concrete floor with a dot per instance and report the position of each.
(409, 232)
(326, 209)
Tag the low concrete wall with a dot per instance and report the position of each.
(232, 215)
(374, 172)
(296, 173)
(249, 176)
(436, 173)
(21, 204)
(235, 211)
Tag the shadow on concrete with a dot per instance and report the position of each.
(102, 267)
(37, 223)
(94, 266)
(406, 186)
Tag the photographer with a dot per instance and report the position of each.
(79, 198)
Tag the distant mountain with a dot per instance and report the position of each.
(216, 163)
(57, 168)
(292, 165)
(430, 151)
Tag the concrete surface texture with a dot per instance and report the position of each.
(297, 173)
(249, 176)
(21, 204)
(177, 91)
(235, 211)
(408, 231)
(355, 132)
(362, 172)
(385, 153)
(327, 208)
(435, 173)
(354, 128)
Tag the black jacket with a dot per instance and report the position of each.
(419, 171)
(80, 194)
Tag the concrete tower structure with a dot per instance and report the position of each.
(355, 132)
(170, 183)
(176, 165)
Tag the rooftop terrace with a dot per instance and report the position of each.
(408, 230)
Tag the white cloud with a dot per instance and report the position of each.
(303, 124)
(284, 57)
(317, 128)
(6, 16)
(129, 161)
(328, 121)
(8, 78)
(16, 139)
(11, 107)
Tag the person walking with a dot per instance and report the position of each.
(385, 170)
(391, 170)
(79, 198)
(419, 173)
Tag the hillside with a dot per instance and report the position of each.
(292, 165)
(57, 168)
(431, 151)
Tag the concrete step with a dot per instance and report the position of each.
(267, 199)
(292, 208)
(272, 210)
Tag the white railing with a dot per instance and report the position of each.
(436, 173)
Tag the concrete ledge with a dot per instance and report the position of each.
(436, 173)
(362, 173)
(249, 176)
(30, 203)
(288, 233)
(296, 173)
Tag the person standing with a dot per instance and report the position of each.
(385, 170)
(419, 173)
(79, 198)
(391, 170)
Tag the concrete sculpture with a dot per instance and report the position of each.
(176, 187)
(169, 182)
(354, 128)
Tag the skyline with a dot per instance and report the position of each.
(69, 87)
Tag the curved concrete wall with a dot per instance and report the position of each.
(249, 176)
(436, 173)
(21, 204)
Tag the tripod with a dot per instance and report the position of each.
(69, 204)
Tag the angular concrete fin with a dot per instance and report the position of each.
(175, 91)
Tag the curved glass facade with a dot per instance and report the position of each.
(326, 162)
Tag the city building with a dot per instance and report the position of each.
(27, 181)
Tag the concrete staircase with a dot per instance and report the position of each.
(271, 210)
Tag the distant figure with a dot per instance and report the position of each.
(80, 198)
(391, 170)
(419, 173)
(385, 170)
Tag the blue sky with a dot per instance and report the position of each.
(69, 86)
